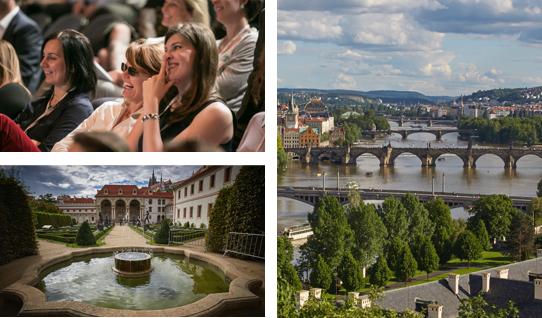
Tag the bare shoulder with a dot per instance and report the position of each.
(216, 110)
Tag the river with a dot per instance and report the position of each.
(489, 176)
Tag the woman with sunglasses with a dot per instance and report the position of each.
(143, 61)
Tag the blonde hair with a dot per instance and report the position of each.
(204, 68)
(144, 57)
(9, 65)
(199, 9)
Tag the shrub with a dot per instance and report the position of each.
(192, 225)
(320, 276)
(84, 235)
(186, 225)
(162, 235)
(202, 226)
(216, 236)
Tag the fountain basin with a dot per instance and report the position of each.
(132, 264)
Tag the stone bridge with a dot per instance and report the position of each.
(404, 133)
(428, 156)
(420, 120)
(310, 195)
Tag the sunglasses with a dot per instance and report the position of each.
(131, 71)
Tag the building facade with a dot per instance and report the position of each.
(194, 198)
(337, 133)
(81, 209)
(315, 106)
(309, 137)
(290, 138)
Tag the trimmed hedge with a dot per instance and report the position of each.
(17, 233)
(84, 235)
(162, 235)
(56, 220)
(217, 233)
(246, 206)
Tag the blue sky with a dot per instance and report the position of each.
(85, 180)
(436, 47)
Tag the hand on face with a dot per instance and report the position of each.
(154, 90)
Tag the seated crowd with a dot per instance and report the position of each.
(108, 87)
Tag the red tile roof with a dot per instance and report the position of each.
(127, 192)
(80, 200)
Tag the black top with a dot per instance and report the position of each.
(14, 99)
(25, 36)
(70, 112)
(176, 128)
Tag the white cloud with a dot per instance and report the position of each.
(60, 185)
(345, 82)
(279, 80)
(286, 47)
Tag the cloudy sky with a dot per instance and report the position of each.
(436, 47)
(85, 180)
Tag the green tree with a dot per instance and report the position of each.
(162, 235)
(539, 188)
(282, 156)
(428, 258)
(418, 217)
(535, 208)
(354, 200)
(395, 248)
(369, 233)
(339, 142)
(467, 247)
(47, 198)
(406, 266)
(521, 237)
(476, 307)
(439, 214)
(285, 255)
(496, 211)
(379, 273)
(331, 233)
(481, 234)
(459, 225)
(285, 301)
(320, 276)
(324, 136)
(350, 273)
(443, 245)
(394, 216)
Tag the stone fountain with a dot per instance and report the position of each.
(133, 264)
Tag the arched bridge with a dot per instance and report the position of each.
(428, 156)
(311, 195)
(420, 120)
(404, 133)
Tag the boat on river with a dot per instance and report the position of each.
(369, 174)
(351, 185)
(298, 232)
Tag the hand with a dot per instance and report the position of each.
(37, 143)
(154, 90)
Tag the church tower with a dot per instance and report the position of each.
(152, 181)
(292, 117)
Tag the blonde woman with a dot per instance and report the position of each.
(143, 61)
(13, 94)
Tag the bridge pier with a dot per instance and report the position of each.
(510, 163)
(401, 122)
(404, 134)
(468, 162)
(427, 161)
(439, 134)
(306, 158)
(430, 124)
(345, 160)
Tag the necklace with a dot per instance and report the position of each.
(225, 49)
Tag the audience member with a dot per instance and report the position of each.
(25, 36)
(254, 99)
(254, 137)
(98, 141)
(236, 49)
(197, 112)
(68, 66)
(13, 94)
(143, 61)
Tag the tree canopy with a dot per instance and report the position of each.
(467, 247)
(496, 211)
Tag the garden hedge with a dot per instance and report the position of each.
(216, 235)
(162, 235)
(56, 220)
(84, 235)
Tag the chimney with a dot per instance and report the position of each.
(363, 268)
(502, 273)
(538, 253)
(364, 301)
(301, 298)
(434, 311)
(453, 281)
(353, 295)
(316, 293)
(538, 289)
(485, 283)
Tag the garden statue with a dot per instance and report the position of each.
(100, 215)
(147, 218)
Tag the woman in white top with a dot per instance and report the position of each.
(120, 116)
(236, 49)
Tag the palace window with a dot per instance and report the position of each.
(200, 186)
(212, 182)
(150, 209)
(179, 194)
(185, 192)
(191, 211)
(120, 191)
(184, 213)
(199, 211)
(209, 208)
(227, 175)
(191, 189)
(106, 191)
(150, 201)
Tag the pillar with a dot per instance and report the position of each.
(538, 289)
(364, 301)
(485, 281)
(316, 293)
(510, 163)
(502, 273)
(301, 297)
(112, 213)
(453, 282)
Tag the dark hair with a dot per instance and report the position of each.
(252, 8)
(79, 60)
(100, 141)
(204, 70)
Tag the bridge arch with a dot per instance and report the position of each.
(396, 154)
(539, 155)
(448, 153)
(504, 160)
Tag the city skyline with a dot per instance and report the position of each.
(86, 180)
(435, 47)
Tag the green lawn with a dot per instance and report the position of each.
(490, 259)
(462, 271)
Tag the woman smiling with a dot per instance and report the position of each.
(119, 117)
(68, 67)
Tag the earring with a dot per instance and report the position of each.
(242, 6)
